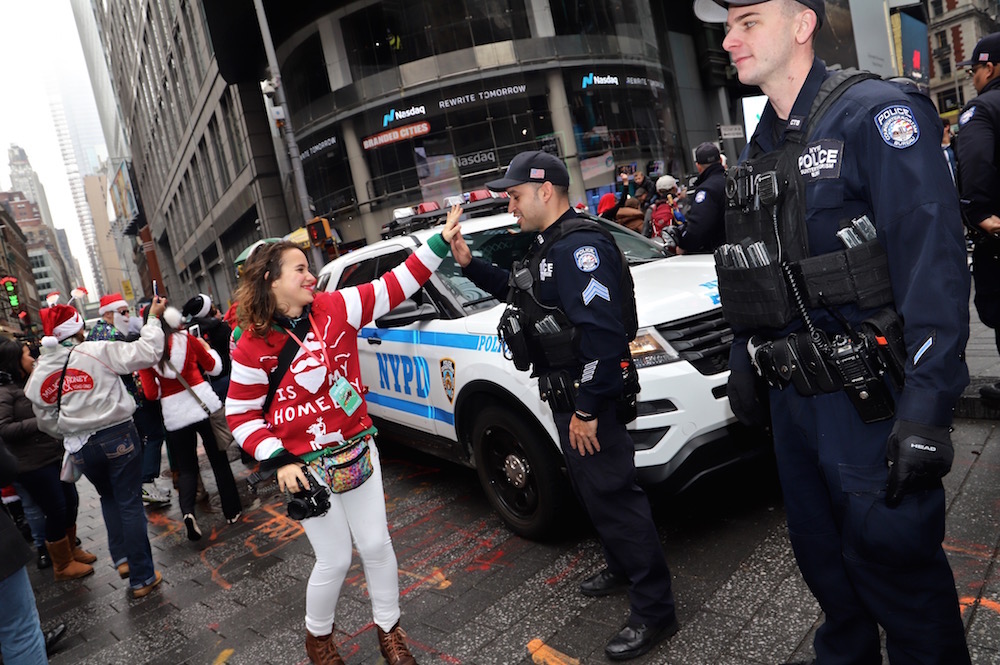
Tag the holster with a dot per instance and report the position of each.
(558, 388)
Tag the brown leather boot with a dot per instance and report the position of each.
(393, 647)
(64, 566)
(79, 554)
(322, 650)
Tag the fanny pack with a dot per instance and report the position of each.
(346, 467)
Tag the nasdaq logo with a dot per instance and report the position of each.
(394, 115)
(592, 79)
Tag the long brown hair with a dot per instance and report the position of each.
(257, 305)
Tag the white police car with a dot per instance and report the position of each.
(437, 376)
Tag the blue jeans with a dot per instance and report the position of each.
(149, 422)
(111, 461)
(32, 513)
(21, 638)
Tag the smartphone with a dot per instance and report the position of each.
(195, 330)
(156, 291)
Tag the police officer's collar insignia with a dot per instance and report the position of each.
(966, 116)
(544, 269)
(595, 290)
(448, 378)
(795, 122)
(821, 159)
(700, 196)
(897, 126)
(586, 258)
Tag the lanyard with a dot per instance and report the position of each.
(325, 361)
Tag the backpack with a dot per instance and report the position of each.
(662, 217)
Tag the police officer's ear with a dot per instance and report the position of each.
(806, 25)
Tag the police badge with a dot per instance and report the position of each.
(448, 378)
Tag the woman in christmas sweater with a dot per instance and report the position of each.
(317, 407)
(185, 416)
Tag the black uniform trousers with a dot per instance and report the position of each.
(867, 564)
(605, 484)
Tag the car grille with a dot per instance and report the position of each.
(702, 340)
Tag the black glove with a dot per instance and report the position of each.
(919, 456)
(748, 398)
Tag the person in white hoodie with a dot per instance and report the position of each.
(186, 410)
(77, 394)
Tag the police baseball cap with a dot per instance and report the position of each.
(717, 11)
(532, 166)
(987, 50)
(707, 153)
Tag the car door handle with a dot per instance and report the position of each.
(374, 340)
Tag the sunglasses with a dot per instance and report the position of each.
(123, 312)
(971, 71)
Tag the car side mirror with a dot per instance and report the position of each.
(408, 312)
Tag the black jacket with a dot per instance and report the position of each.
(705, 228)
(217, 333)
(978, 153)
(14, 552)
(19, 429)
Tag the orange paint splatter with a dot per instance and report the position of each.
(541, 654)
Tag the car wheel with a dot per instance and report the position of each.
(519, 471)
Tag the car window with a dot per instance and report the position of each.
(371, 269)
(636, 248)
(498, 246)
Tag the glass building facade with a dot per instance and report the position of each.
(395, 103)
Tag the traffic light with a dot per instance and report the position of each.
(319, 231)
(9, 285)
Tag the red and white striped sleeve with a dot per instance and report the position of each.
(248, 384)
(367, 302)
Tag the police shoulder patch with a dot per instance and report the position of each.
(897, 126)
(966, 116)
(700, 196)
(586, 258)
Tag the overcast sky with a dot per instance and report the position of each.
(36, 37)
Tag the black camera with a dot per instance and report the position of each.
(749, 190)
(310, 502)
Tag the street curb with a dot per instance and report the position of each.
(971, 405)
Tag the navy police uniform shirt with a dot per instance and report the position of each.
(877, 152)
(581, 275)
(705, 226)
(978, 153)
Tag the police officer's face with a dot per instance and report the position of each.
(759, 40)
(527, 204)
(982, 73)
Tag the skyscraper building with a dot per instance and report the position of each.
(24, 179)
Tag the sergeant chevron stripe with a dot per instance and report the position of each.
(595, 290)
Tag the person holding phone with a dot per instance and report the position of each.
(316, 410)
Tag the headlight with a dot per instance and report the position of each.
(648, 350)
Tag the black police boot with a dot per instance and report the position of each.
(53, 636)
(633, 641)
(991, 392)
(603, 583)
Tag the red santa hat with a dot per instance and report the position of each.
(111, 302)
(59, 322)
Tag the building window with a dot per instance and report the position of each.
(221, 163)
(944, 65)
(936, 8)
(306, 79)
(233, 132)
(950, 100)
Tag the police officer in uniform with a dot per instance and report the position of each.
(827, 316)
(705, 228)
(574, 289)
(978, 154)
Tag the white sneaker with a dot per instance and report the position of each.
(193, 531)
(163, 484)
(152, 494)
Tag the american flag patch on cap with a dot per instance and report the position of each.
(984, 57)
(536, 173)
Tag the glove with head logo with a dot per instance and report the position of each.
(919, 456)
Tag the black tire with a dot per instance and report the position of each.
(519, 471)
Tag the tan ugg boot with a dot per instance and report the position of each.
(393, 647)
(64, 566)
(79, 554)
(322, 650)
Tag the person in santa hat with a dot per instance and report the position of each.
(77, 394)
(114, 326)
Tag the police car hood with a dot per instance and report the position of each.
(665, 290)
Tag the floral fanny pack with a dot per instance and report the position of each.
(346, 467)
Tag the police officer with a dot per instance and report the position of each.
(705, 228)
(979, 181)
(860, 463)
(580, 289)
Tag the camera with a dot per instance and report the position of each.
(749, 190)
(310, 502)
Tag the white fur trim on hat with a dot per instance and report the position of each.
(112, 306)
(68, 328)
(173, 317)
(49, 341)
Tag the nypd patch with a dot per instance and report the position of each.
(700, 196)
(821, 159)
(897, 126)
(586, 258)
(966, 116)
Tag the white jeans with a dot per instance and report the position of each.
(357, 514)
